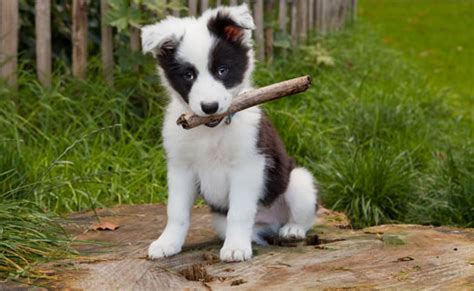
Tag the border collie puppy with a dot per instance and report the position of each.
(241, 168)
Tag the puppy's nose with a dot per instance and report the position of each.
(209, 108)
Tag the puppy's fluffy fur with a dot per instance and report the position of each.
(241, 169)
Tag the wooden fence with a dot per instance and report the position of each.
(296, 19)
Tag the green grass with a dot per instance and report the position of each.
(385, 144)
(436, 35)
(29, 237)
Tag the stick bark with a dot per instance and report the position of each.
(248, 99)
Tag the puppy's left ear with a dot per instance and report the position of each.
(231, 23)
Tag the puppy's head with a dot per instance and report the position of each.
(204, 62)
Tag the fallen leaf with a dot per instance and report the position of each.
(104, 225)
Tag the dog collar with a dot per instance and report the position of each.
(228, 120)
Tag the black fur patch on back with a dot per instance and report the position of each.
(278, 164)
(175, 71)
(229, 51)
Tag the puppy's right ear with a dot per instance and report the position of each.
(163, 37)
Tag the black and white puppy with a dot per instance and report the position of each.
(241, 169)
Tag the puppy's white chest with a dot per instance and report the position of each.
(212, 165)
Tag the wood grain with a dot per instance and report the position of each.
(282, 15)
(259, 29)
(269, 6)
(294, 23)
(192, 7)
(441, 257)
(249, 99)
(106, 45)
(79, 38)
(9, 41)
(204, 5)
(43, 41)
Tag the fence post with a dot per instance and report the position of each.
(233, 3)
(192, 7)
(282, 15)
(135, 43)
(79, 38)
(9, 41)
(294, 23)
(43, 41)
(324, 18)
(353, 10)
(302, 19)
(204, 5)
(259, 34)
(269, 4)
(310, 15)
(218, 3)
(106, 44)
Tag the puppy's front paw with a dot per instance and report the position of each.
(236, 254)
(159, 249)
(292, 231)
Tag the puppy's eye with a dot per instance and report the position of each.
(188, 75)
(222, 71)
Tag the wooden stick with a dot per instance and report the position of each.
(249, 99)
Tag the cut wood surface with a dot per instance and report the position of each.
(248, 99)
(334, 256)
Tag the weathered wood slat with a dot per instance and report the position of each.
(353, 10)
(204, 5)
(192, 7)
(324, 16)
(282, 16)
(302, 19)
(107, 45)
(269, 6)
(233, 2)
(259, 30)
(310, 14)
(134, 39)
(43, 41)
(9, 41)
(294, 23)
(79, 38)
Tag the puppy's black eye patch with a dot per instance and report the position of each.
(181, 75)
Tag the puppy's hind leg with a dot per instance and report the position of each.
(301, 198)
